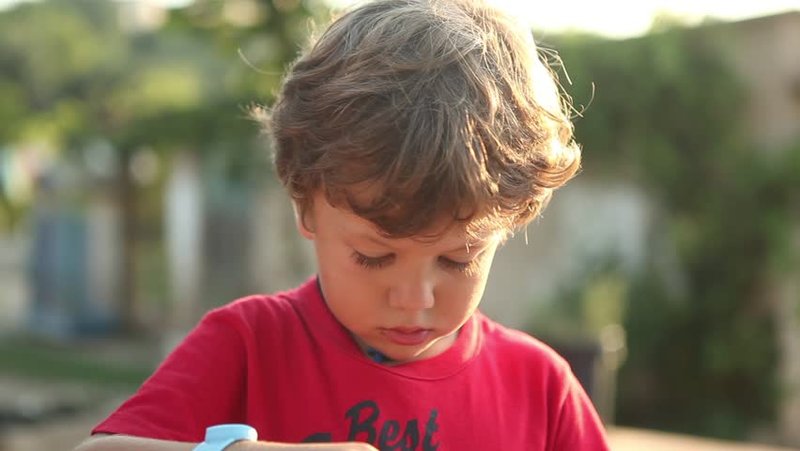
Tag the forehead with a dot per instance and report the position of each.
(443, 231)
(420, 208)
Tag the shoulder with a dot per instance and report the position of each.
(254, 306)
(260, 313)
(528, 367)
(518, 349)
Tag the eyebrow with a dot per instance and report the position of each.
(374, 240)
(469, 247)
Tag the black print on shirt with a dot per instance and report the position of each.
(391, 435)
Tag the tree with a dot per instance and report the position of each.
(667, 113)
(72, 75)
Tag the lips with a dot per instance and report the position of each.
(407, 336)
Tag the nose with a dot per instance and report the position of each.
(412, 294)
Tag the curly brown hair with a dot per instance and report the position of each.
(441, 109)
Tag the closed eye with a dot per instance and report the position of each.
(456, 265)
(372, 262)
(385, 260)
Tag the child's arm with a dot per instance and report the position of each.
(128, 443)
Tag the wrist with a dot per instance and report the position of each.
(244, 445)
(223, 437)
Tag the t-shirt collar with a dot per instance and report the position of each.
(327, 329)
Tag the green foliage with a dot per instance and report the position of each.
(668, 112)
(596, 298)
(55, 56)
(73, 72)
(42, 362)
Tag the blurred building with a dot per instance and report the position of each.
(766, 52)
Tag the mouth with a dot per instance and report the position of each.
(407, 336)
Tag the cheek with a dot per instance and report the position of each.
(344, 275)
(474, 285)
(333, 257)
(481, 271)
(463, 290)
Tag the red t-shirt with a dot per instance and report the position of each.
(284, 365)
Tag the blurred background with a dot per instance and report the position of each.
(136, 194)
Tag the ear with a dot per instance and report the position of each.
(302, 219)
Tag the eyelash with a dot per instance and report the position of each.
(382, 262)
(371, 262)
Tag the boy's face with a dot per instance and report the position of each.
(405, 297)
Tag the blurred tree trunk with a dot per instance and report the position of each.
(786, 307)
(184, 220)
(127, 201)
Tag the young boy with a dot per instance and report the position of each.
(413, 138)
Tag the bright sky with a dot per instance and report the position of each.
(624, 18)
(613, 18)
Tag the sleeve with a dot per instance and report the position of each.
(577, 426)
(200, 383)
